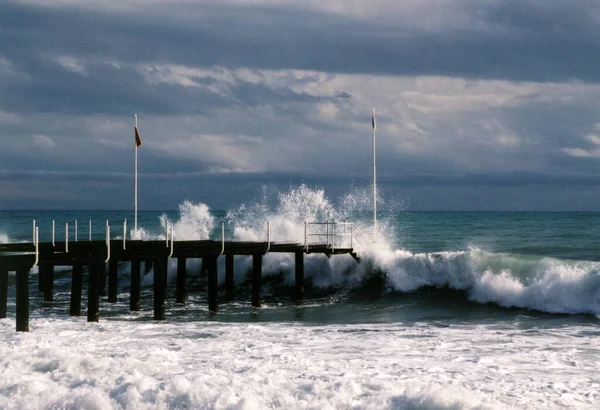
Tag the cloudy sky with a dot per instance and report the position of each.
(482, 104)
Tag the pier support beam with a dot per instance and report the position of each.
(181, 279)
(229, 278)
(213, 290)
(93, 310)
(134, 290)
(3, 291)
(76, 285)
(113, 267)
(148, 267)
(46, 272)
(102, 279)
(256, 279)
(299, 284)
(23, 300)
(160, 289)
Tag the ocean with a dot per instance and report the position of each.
(460, 310)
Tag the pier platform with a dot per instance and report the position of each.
(97, 261)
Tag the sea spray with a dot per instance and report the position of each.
(195, 222)
(509, 280)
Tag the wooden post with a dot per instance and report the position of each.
(40, 281)
(93, 313)
(160, 271)
(213, 290)
(113, 266)
(299, 276)
(76, 285)
(46, 272)
(256, 279)
(181, 277)
(134, 291)
(3, 291)
(102, 279)
(229, 277)
(204, 267)
(23, 300)
(148, 267)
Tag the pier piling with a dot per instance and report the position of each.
(76, 285)
(181, 279)
(93, 313)
(46, 272)
(23, 300)
(160, 273)
(256, 279)
(3, 291)
(113, 267)
(299, 283)
(102, 280)
(134, 290)
(211, 262)
(229, 277)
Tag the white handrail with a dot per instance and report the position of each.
(334, 236)
(306, 235)
(33, 232)
(268, 236)
(75, 230)
(167, 223)
(107, 242)
(90, 229)
(37, 247)
(172, 236)
(67, 237)
(124, 232)
(222, 238)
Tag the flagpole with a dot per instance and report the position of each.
(374, 178)
(135, 183)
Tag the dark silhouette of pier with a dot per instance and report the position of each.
(98, 255)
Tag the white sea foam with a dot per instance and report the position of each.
(66, 363)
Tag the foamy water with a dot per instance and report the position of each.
(69, 364)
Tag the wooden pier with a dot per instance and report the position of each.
(96, 255)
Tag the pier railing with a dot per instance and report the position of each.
(331, 234)
(335, 235)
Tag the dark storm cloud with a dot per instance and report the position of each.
(530, 40)
(119, 62)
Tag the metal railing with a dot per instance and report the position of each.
(331, 234)
(334, 235)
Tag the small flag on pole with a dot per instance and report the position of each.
(138, 140)
(373, 120)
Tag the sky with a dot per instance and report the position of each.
(481, 104)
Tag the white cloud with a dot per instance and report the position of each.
(594, 139)
(72, 64)
(581, 153)
(43, 141)
(328, 111)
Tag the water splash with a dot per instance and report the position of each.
(195, 222)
